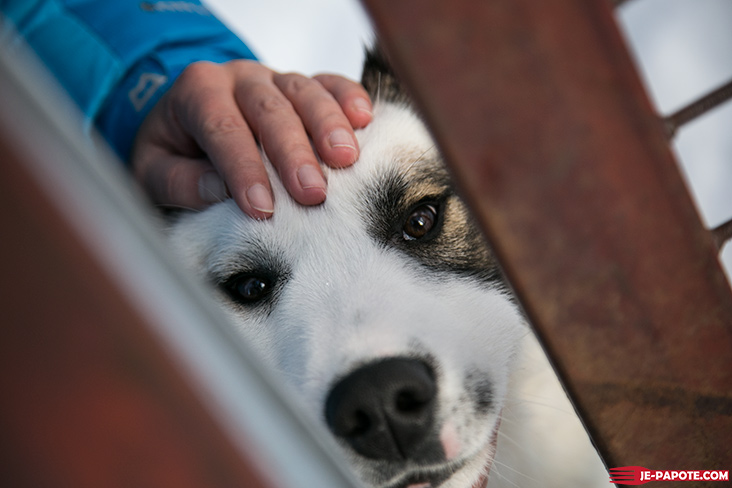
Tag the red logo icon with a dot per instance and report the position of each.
(638, 475)
(629, 475)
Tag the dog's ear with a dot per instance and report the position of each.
(379, 79)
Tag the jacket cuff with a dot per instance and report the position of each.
(145, 83)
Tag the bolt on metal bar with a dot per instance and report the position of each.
(697, 108)
(722, 233)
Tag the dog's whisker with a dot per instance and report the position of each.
(421, 157)
(527, 333)
(496, 471)
(171, 207)
(216, 198)
(544, 402)
(378, 89)
(507, 420)
(521, 474)
(503, 435)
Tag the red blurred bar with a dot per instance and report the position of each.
(90, 397)
(538, 107)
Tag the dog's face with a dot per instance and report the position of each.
(382, 307)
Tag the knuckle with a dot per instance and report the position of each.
(294, 85)
(339, 83)
(301, 151)
(268, 104)
(197, 72)
(334, 119)
(293, 155)
(221, 125)
(247, 67)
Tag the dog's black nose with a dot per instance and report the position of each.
(385, 410)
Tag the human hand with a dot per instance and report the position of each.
(201, 138)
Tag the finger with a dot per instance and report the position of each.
(352, 97)
(171, 167)
(182, 182)
(207, 109)
(323, 118)
(284, 139)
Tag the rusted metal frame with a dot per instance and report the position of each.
(89, 397)
(111, 359)
(538, 108)
(618, 3)
(673, 122)
(722, 234)
(698, 108)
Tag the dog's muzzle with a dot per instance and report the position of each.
(385, 411)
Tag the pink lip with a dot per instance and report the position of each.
(482, 482)
(490, 450)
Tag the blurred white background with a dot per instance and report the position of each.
(683, 49)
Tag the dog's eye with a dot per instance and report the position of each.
(248, 288)
(420, 222)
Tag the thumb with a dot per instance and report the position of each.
(182, 182)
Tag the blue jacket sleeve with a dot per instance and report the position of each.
(116, 58)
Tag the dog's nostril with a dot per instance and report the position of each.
(409, 401)
(385, 410)
(361, 424)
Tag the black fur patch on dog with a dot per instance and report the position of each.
(480, 388)
(456, 246)
(380, 80)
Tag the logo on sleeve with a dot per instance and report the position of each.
(146, 87)
(177, 6)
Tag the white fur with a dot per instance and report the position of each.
(350, 299)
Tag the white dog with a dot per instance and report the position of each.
(385, 310)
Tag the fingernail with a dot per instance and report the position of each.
(211, 187)
(363, 105)
(341, 138)
(260, 198)
(309, 178)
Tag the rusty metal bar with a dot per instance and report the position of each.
(618, 3)
(722, 234)
(89, 397)
(698, 108)
(116, 369)
(552, 138)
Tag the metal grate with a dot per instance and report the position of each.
(692, 111)
(722, 233)
(540, 111)
(698, 108)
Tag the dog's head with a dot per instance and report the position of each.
(383, 307)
